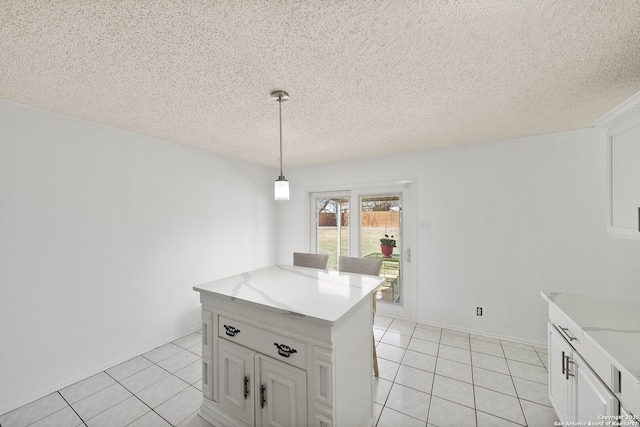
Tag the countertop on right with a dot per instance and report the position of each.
(612, 325)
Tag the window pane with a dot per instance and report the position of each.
(333, 228)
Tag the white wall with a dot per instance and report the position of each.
(507, 219)
(103, 233)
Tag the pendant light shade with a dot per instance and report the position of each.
(281, 188)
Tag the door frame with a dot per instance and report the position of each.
(406, 188)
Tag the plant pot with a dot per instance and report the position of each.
(386, 251)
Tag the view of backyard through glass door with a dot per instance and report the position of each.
(332, 228)
(380, 218)
(380, 222)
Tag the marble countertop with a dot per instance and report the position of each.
(611, 325)
(324, 295)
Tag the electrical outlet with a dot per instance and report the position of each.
(478, 311)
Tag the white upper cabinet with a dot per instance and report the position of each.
(625, 176)
(623, 125)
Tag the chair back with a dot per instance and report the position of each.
(302, 259)
(369, 266)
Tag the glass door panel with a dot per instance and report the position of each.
(332, 228)
(337, 228)
(381, 238)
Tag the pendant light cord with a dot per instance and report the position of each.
(280, 109)
(281, 186)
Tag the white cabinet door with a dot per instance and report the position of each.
(282, 394)
(623, 125)
(235, 380)
(625, 178)
(559, 381)
(575, 391)
(593, 399)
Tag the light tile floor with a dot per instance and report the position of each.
(160, 388)
(428, 376)
(442, 377)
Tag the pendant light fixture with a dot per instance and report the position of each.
(281, 189)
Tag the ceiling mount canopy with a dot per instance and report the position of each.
(281, 188)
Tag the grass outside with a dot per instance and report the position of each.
(370, 241)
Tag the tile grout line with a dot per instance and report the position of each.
(435, 368)
(141, 401)
(526, 423)
(132, 393)
(69, 405)
(473, 384)
(384, 405)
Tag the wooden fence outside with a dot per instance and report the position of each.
(389, 219)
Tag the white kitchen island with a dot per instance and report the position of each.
(288, 346)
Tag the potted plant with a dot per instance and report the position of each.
(387, 243)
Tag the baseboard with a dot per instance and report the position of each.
(478, 332)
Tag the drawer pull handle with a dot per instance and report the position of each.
(246, 387)
(563, 363)
(285, 350)
(231, 331)
(565, 330)
(263, 400)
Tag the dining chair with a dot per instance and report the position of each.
(303, 259)
(369, 266)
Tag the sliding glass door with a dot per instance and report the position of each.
(381, 238)
(358, 222)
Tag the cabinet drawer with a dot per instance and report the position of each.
(593, 357)
(271, 344)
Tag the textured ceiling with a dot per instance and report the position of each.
(366, 78)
